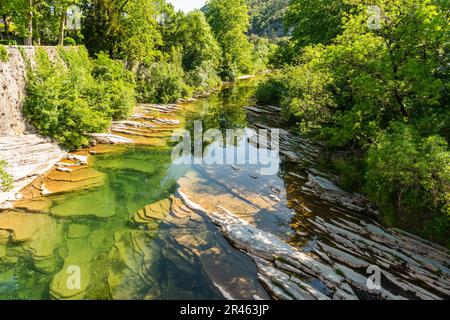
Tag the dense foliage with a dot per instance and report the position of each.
(5, 179)
(229, 21)
(379, 90)
(315, 21)
(74, 96)
(145, 34)
(125, 29)
(3, 53)
(267, 17)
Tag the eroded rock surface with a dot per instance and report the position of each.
(28, 157)
(334, 262)
(148, 125)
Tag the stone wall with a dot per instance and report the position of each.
(12, 89)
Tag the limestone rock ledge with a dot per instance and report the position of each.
(28, 157)
(410, 268)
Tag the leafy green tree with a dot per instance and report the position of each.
(229, 21)
(263, 50)
(19, 14)
(201, 54)
(162, 81)
(198, 42)
(126, 29)
(267, 17)
(315, 21)
(381, 87)
(60, 8)
(369, 77)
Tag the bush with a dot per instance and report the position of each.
(4, 56)
(271, 91)
(68, 41)
(69, 99)
(263, 51)
(8, 42)
(203, 77)
(229, 70)
(350, 173)
(117, 86)
(5, 179)
(161, 82)
(409, 178)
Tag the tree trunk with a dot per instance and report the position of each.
(37, 36)
(6, 24)
(62, 23)
(29, 38)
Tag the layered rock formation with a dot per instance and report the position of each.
(308, 238)
(148, 125)
(28, 155)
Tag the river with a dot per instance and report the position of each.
(124, 226)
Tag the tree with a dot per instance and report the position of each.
(60, 8)
(198, 42)
(315, 21)
(29, 38)
(409, 177)
(267, 17)
(126, 29)
(229, 21)
(381, 89)
(370, 77)
(6, 11)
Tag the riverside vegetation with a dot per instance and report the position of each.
(378, 97)
(138, 50)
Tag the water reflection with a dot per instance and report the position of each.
(180, 256)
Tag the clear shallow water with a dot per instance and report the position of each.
(118, 258)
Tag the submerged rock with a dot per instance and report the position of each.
(72, 281)
(153, 213)
(38, 234)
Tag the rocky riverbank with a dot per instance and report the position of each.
(310, 239)
(28, 157)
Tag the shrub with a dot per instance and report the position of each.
(66, 100)
(263, 50)
(409, 177)
(271, 91)
(161, 82)
(350, 173)
(8, 42)
(4, 56)
(228, 69)
(203, 77)
(116, 84)
(5, 179)
(68, 41)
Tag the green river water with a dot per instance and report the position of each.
(93, 229)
